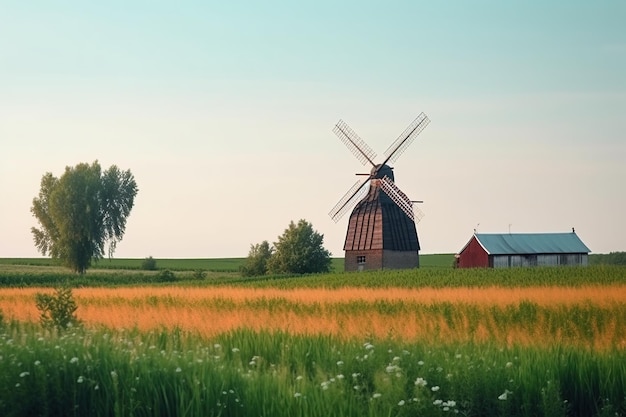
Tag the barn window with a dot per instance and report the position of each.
(360, 259)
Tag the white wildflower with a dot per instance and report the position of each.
(299, 378)
(217, 346)
(23, 374)
(235, 350)
(420, 382)
(368, 346)
(297, 395)
(396, 358)
(74, 360)
(37, 363)
(508, 364)
(401, 403)
(437, 402)
(420, 363)
(80, 379)
(340, 376)
(376, 395)
(178, 369)
(435, 388)
(339, 363)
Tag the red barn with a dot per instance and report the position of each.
(505, 250)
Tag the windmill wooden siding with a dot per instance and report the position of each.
(523, 250)
(380, 236)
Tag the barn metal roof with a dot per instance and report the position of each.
(531, 243)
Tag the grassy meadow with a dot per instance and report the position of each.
(433, 341)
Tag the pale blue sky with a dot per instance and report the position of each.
(224, 113)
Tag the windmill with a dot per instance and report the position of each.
(381, 231)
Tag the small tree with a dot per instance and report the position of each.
(149, 264)
(256, 263)
(57, 310)
(82, 212)
(300, 250)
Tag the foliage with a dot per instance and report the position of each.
(299, 250)
(166, 276)
(256, 262)
(247, 373)
(58, 310)
(82, 212)
(149, 264)
(199, 274)
(613, 258)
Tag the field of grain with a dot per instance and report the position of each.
(583, 316)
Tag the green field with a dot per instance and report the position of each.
(207, 264)
(100, 371)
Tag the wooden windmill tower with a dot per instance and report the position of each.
(381, 231)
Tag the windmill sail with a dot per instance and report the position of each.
(354, 194)
(397, 196)
(404, 140)
(357, 146)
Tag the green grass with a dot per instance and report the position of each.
(243, 373)
(207, 264)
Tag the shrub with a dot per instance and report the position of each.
(57, 310)
(166, 276)
(149, 264)
(199, 274)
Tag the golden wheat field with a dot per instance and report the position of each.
(590, 316)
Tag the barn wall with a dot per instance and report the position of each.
(511, 261)
(473, 256)
(373, 260)
(400, 259)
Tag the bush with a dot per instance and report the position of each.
(256, 262)
(57, 310)
(149, 264)
(199, 274)
(166, 276)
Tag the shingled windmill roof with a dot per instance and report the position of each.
(378, 223)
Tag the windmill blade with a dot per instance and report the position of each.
(348, 200)
(357, 146)
(405, 139)
(397, 196)
(417, 214)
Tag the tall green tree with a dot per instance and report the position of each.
(258, 257)
(83, 213)
(300, 250)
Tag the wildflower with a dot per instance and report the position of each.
(420, 363)
(178, 369)
(113, 374)
(297, 394)
(396, 358)
(325, 385)
(37, 363)
(368, 346)
(299, 377)
(450, 403)
(23, 374)
(508, 364)
(420, 382)
(437, 402)
(339, 363)
(96, 387)
(74, 360)
(435, 388)
(340, 376)
(217, 346)
(458, 356)
(235, 350)
(80, 379)
(376, 395)
(355, 375)
(401, 403)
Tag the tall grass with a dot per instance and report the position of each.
(245, 373)
(590, 317)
